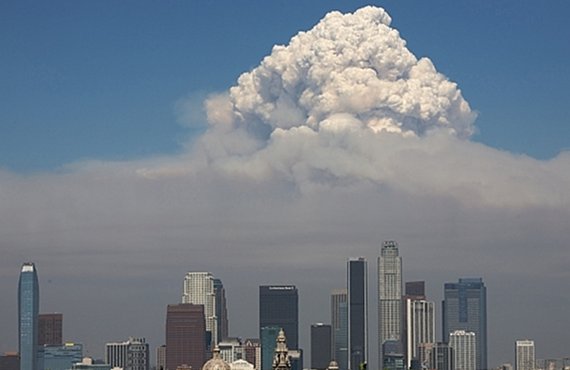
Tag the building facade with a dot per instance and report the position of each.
(62, 357)
(132, 354)
(268, 337)
(279, 307)
(28, 311)
(357, 301)
(221, 310)
(420, 326)
(524, 355)
(436, 356)
(389, 294)
(252, 352)
(321, 346)
(50, 329)
(199, 290)
(465, 308)
(185, 336)
(339, 324)
(464, 344)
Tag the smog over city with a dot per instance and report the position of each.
(288, 149)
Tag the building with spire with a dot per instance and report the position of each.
(28, 311)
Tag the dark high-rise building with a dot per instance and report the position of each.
(339, 323)
(28, 311)
(221, 310)
(279, 307)
(321, 346)
(268, 338)
(357, 299)
(185, 336)
(50, 329)
(465, 308)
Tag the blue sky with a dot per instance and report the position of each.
(99, 80)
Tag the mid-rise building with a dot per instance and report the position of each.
(420, 327)
(252, 352)
(199, 290)
(28, 311)
(10, 361)
(185, 336)
(89, 364)
(465, 308)
(231, 349)
(393, 355)
(321, 346)
(132, 354)
(389, 294)
(464, 344)
(524, 355)
(339, 323)
(50, 329)
(436, 356)
(62, 357)
(161, 357)
(357, 300)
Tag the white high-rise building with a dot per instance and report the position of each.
(132, 354)
(464, 349)
(524, 355)
(199, 289)
(420, 326)
(389, 295)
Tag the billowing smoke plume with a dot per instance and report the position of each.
(350, 69)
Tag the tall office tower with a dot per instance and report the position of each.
(185, 336)
(436, 356)
(357, 300)
(268, 338)
(420, 327)
(279, 306)
(62, 357)
(321, 346)
(221, 310)
(132, 354)
(339, 323)
(389, 294)
(50, 329)
(465, 308)
(199, 289)
(28, 311)
(524, 355)
(252, 352)
(161, 357)
(464, 349)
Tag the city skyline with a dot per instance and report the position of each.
(362, 126)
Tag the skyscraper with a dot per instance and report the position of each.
(50, 329)
(420, 326)
(464, 349)
(132, 354)
(199, 289)
(268, 336)
(279, 307)
(321, 346)
(357, 297)
(339, 323)
(524, 355)
(465, 308)
(185, 336)
(28, 311)
(389, 294)
(221, 310)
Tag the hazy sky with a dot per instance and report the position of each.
(131, 151)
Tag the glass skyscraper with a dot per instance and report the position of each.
(465, 308)
(357, 312)
(339, 322)
(28, 311)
